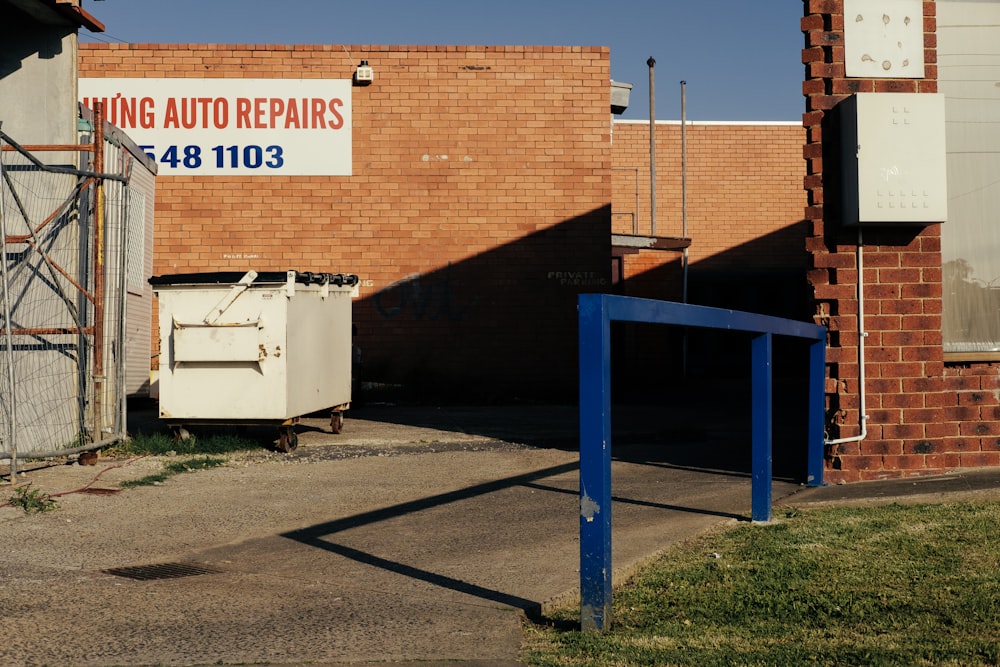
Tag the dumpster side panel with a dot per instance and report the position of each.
(221, 374)
(319, 350)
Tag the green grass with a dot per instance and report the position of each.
(891, 585)
(163, 444)
(192, 454)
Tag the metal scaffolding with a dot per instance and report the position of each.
(64, 227)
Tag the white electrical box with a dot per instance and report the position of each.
(893, 158)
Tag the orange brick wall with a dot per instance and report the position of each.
(744, 206)
(744, 221)
(487, 182)
(924, 415)
(478, 206)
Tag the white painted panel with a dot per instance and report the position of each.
(194, 342)
(884, 38)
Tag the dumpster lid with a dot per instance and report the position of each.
(233, 277)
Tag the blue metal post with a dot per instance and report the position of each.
(760, 505)
(596, 312)
(817, 408)
(595, 462)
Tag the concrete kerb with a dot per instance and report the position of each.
(968, 484)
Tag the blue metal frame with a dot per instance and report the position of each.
(596, 312)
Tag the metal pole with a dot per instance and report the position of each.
(594, 326)
(761, 409)
(684, 210)
(99, 249)
(121, 287)
(817, 398)
(684, 223)
(651, 62)
(8, 346)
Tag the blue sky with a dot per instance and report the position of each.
(741, 59)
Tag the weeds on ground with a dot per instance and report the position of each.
(194, 453)
(893, 585)
(32, 500)
(162, 444)
(175, 468)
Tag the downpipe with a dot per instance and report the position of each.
(862, 335)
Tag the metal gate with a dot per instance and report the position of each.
(65, 225)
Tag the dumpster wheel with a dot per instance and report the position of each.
(336, 422)
(180, 433)
(288, 439)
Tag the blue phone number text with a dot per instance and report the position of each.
(221, 157)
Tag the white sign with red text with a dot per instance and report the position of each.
(222, 127)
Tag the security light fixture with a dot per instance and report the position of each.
(364, 74)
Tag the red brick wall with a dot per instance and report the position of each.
(924, 416)
(478, 206)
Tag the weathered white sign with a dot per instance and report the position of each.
(222, 127)
(884, 38)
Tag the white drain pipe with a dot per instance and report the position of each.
(862, 334)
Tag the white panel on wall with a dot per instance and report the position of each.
(884, 38)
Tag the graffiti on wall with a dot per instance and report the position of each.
(424, 297)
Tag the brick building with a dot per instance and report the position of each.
(487, 184)
(479, 204)
(926, 410)
(477, 207)
(928, 400)
(744, 203)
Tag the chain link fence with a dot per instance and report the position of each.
(73, 233)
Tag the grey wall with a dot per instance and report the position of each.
(38, 72)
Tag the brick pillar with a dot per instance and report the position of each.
(902, 283)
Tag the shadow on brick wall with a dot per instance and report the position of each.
(703, 376)
(499, 326)
(766, 276)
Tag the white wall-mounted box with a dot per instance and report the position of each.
(893, 158)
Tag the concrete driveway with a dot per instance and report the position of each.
(418, 534)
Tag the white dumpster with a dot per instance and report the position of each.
(254, 348)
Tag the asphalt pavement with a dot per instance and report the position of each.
(419, 535)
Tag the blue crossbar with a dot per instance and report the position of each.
(596, 312)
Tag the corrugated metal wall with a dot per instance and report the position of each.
(969, 76)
